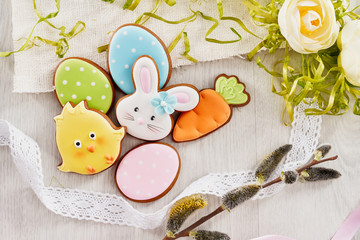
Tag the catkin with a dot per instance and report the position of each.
(269, 164)
(208, 235)
(323, 150)
(320, 174)
(182, 209)
(289, 177)
(239, 195)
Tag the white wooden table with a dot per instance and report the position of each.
(301, 211)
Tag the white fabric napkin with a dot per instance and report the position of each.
(34, 68)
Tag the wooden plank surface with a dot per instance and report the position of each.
(301, 211)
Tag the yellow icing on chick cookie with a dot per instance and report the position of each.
(87, 140)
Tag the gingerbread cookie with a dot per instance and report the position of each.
(148, 172)
(128, 43)
(213, 111)
(147, 112)
(87, 140)
(78, 79)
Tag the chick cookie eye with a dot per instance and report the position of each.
(136, 109)
(152, 118)
(77, 144)
(92, 136)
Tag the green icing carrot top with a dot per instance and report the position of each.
(231, 90)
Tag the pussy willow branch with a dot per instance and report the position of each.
(312, 163)
(186, 231)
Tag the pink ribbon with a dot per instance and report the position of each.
(272, 237)
(345, 232)
(349, 227)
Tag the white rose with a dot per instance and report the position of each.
(308, 25)
(349, 58)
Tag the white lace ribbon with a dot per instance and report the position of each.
(114, 209)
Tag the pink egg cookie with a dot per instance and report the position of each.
(148, 171)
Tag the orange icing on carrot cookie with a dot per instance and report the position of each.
(213, 111)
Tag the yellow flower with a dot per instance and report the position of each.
(308, 25)
(349, 44)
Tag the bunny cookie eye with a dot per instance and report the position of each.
(92, 136)
(77, 144)
(136, 109)
(152, 118)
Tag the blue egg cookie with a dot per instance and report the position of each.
(128, 43)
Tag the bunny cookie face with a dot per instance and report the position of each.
(147, 112)
(141, 119)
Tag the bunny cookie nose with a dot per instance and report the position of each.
(140, 121)
(91, 148)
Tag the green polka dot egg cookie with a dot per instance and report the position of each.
(78, 79)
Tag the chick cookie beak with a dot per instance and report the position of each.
(91, 148)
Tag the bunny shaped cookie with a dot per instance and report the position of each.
(147, 112)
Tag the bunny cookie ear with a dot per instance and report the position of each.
(145, 75)
(187, 97)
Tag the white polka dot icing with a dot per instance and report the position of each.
(78, 79)
(135, 41)
(144, 182)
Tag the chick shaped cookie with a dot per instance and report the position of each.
(87, 140)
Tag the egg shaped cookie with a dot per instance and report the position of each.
(130, 42)
(148, 172)
(78, 79)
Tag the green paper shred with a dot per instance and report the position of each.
(144, 17)
(170, 2)
(127, 4)
(131, 4)
(61, 44)
(187, 49)
(266, 16)
(231, 90)
(102, 48)
(195, 14)
(319, 81)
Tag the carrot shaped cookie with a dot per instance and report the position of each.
(213, 111)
